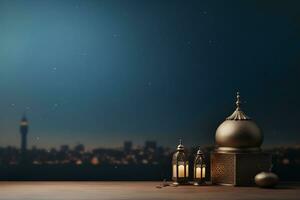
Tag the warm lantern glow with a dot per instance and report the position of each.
(174, 171)
(203, 172)
(198, 172)
(186, 170)
(181, 171)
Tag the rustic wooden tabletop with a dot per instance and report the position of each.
(48, 190)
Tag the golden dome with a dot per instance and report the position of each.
(238, 132)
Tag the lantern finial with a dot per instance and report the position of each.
(199, 152)
(180, 147)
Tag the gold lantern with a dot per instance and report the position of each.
(199, 168)
(180, 166)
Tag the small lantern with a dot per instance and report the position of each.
(180, 166)
(199, 168)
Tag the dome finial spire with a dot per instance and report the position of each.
(238, 114)
(238, 101)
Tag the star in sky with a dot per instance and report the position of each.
(149, 84)
(115, 35)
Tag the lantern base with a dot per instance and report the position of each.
(198, 183)
(176, 183)
(238, 169)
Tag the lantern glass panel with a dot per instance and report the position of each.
(174, 171)
(187, 170)
(180, 169)
(203, 172)
(198, 171)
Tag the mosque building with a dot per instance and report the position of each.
(237, 157)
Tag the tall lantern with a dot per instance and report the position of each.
(180, 166)
(199, 168)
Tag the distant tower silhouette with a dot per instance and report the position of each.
(23, 131)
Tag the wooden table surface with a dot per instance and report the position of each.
(55, 190)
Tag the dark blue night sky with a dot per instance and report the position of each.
(101, 72)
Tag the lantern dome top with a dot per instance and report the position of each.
(180, 147)
(199, 152)
(238, 132)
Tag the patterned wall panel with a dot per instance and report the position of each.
(223, 168)
(238, 168)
